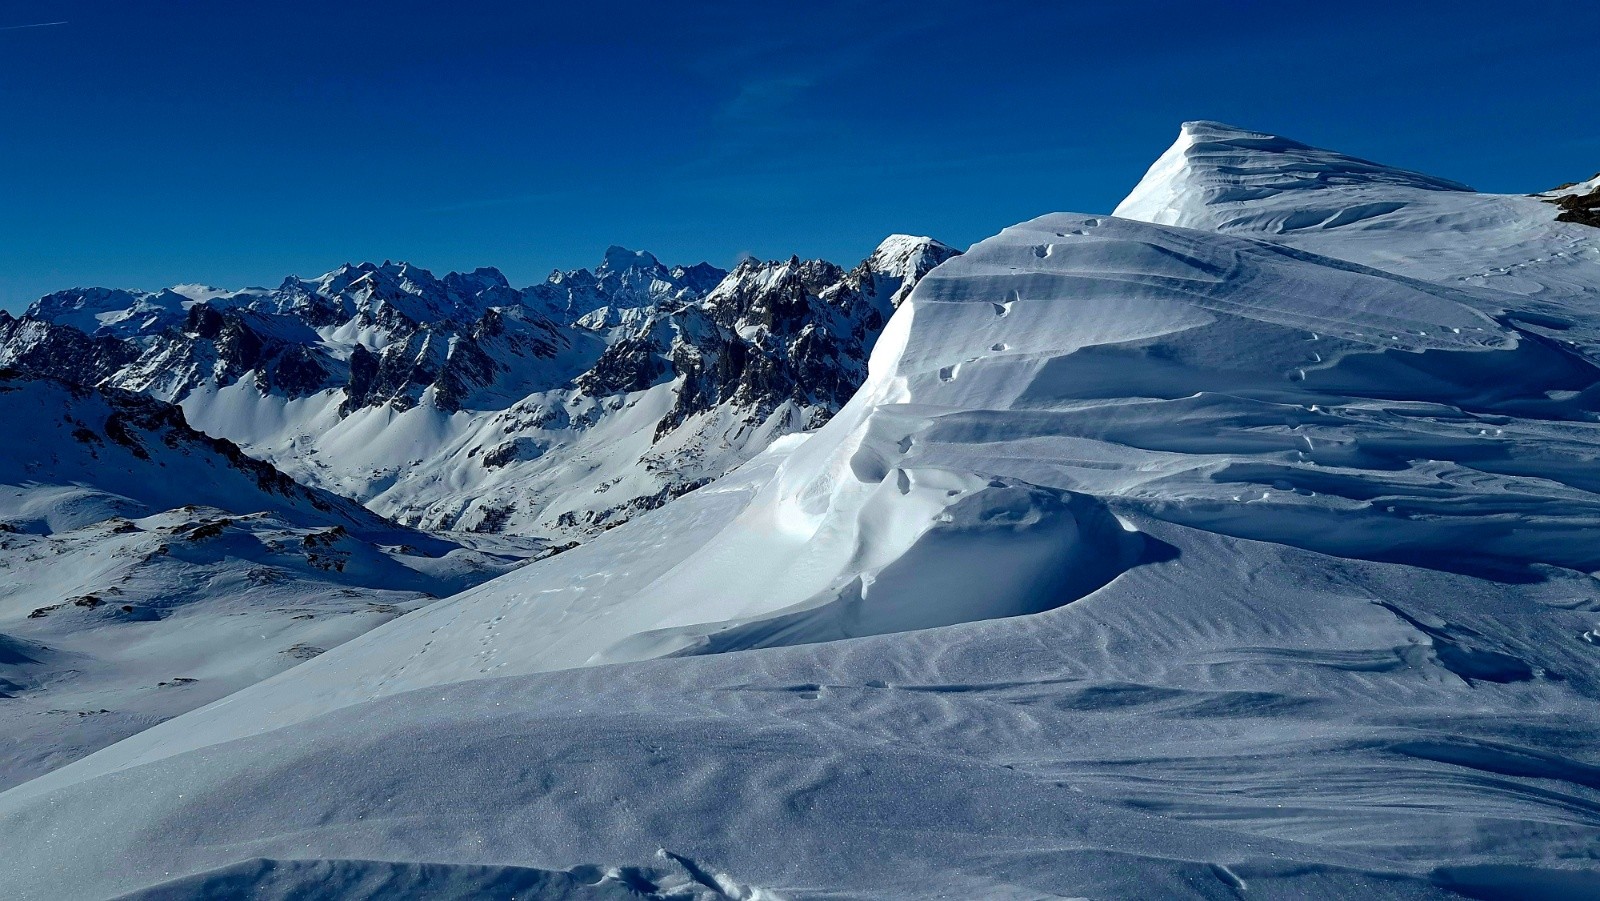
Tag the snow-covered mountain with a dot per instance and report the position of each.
(1239, 545)
(150, 569)
(1579, 202)
(460, 403)
(1522, 256)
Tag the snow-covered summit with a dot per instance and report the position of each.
(1535, 253)
(900, 254)
(112, 311)
(906, 259)
(620, 259)
(1213, 167)
(625, 281)
(1576, 189)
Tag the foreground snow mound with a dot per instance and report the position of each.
(674, 879)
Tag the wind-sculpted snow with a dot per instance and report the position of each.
(1529, 265)
(1148, 562)
(1215, 171)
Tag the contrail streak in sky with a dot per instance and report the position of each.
(35, 25)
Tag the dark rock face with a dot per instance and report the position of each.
(455, 362)
(363, 375)
(1583, 209)
(767, 334)
(633, 363)
(242, 342)
(60, 351)
(699, 278)
(513, 451)
(796, 332)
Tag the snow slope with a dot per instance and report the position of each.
(1230, 180)
(146, 569)
(1172, 561)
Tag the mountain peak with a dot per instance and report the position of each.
(621, 259)
(110, 310)
(899, 254)
(1213, 166)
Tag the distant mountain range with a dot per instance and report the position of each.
(461, 403)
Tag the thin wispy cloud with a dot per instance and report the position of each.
(762, 96)
(33, 25)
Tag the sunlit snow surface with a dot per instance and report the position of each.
(1261, 562)
(146, 570)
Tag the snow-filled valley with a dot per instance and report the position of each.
(1239, 543)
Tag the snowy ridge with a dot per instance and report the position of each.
(1577, 189)
(1533, 264)
(1250, 561)
(122, 314)
(117, 442)
(1214, 172)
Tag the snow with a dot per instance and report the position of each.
(148, 571)
(109, 311)
(1213, 170)
(1541, 271)
(1240, 544)
(1578, 189)
(621, 259)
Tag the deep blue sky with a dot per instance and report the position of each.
(148, 143)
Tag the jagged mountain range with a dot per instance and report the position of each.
(462, 403)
